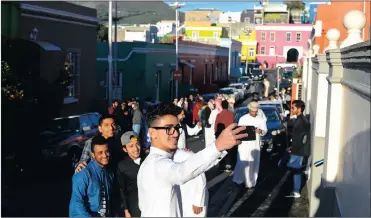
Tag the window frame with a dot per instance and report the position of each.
(274, 36)
(265, 36)
(260, 50)
(288, 34)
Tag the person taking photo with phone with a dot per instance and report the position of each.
(248, 159)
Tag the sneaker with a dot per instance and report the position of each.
(293, 195)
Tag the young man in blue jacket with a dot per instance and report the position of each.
(92, 186)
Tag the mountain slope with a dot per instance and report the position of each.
(135, 12)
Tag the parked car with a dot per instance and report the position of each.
(286, 78)
(232, 91)
(277, 129)
(279, 105)
(240, 87)
(246, 80)
(66, 136)
(209, 96)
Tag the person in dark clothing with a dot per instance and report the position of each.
(300, 145)
(127, 171)
(124, 118)
(224, 119)
(114, 108)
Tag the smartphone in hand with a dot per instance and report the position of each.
(250, 131)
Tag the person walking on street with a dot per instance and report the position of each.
(224, 119)
(137, 118)
(159, 174)
(209, 131)
(127, 172)
(300, 145)
(266, 86)
(248, 159)
(92, 187)
(187, 131)
(195, 195)
(123, 118)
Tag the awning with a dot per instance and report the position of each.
(47, 46)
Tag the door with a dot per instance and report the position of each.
(272, 50)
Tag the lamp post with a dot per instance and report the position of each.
(176, 5)
(230, 46)
(110, 52)
(278, 78)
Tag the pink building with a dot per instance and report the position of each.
(281, 43)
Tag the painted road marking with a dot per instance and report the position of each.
(268, 201)
(218, 179)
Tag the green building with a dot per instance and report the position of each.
(144, 70)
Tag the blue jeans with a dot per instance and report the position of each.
(136, 128)
(296, 162)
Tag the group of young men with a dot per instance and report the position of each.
(117, 178)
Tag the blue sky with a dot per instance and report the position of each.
(224, 6)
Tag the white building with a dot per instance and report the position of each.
(230, 17)
(165, 27)
(136, 33)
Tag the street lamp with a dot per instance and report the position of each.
(230, 46)
(278, 78)
(176, 5)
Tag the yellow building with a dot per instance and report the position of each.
(248, 39)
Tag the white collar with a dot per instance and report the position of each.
(160, 152)
(137, 161)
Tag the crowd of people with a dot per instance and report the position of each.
(139, 163)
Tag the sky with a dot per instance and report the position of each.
(223, 6)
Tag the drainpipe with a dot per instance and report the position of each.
(110, 53)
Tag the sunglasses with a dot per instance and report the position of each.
(170, 130)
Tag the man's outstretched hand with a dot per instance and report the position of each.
(230, 137)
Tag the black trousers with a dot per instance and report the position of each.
(230, 159)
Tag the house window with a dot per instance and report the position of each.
(247, 19)
(262, 50)
(73, 59)
(216, 35)
(251, 52)
(298, 37)
(288, 37)
(273, 37)
(263, 36)
(194, 35)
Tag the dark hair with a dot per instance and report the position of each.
(299, 104)
(98, 140)
(105, 116)
(114, 101)
(155, 112)
(253, 100)
(225, 104)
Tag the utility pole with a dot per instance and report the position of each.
(115, 48)
(110, 53)
(177, 5)
(230, 47)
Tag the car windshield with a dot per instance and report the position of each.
(278, 106)
(237, 86)
(256, 72)
(287, 74)
(243, 80)
(271, 114)
(226, 91)
(66, 124)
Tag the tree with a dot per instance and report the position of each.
(295, 5)
(102, 33)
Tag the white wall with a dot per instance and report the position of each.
(136, 36)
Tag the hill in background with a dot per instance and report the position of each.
(134, 12)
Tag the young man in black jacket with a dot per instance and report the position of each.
(300, 149)
(127, 171)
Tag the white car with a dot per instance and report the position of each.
(231, 91)
(240, 87)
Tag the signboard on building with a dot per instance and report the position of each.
(177, 75)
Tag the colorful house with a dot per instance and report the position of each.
(204, 33)
(330, 16)
(281, 43)
(248, 39)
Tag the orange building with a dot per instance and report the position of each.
(332, 15)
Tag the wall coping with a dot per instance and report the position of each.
(357, 56)
(357, 87)
(333, 58)
(320, 61)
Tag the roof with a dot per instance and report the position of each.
(47, 46)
